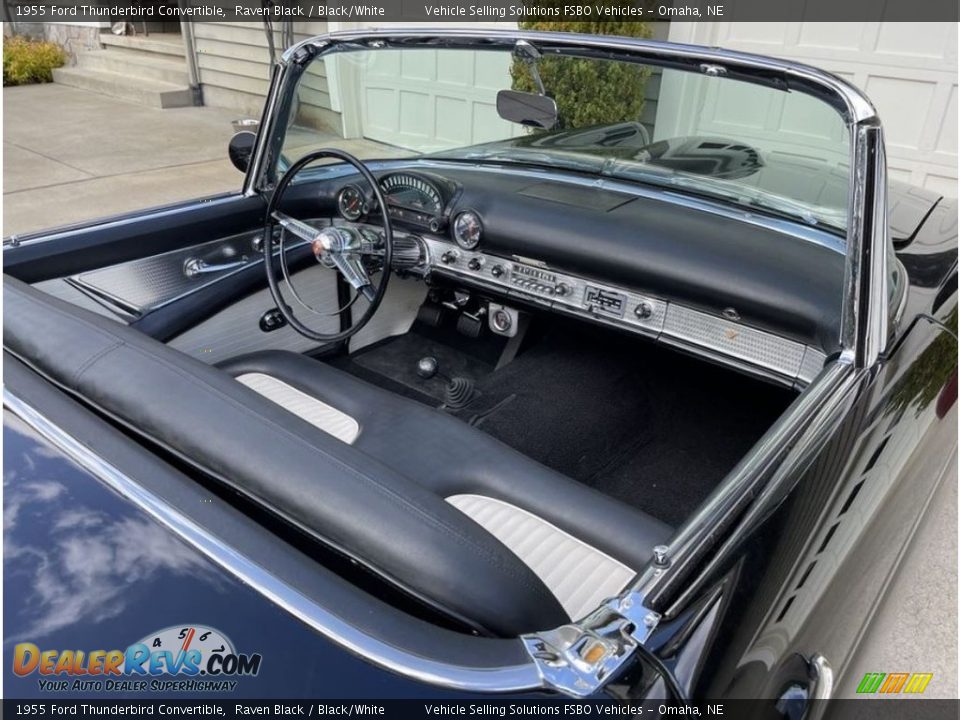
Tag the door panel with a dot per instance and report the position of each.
(121, 239)
(235, 330)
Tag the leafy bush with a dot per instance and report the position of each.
(28, 61)
(588, 92)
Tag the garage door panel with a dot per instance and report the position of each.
(947, 137)
(430, 100)
(909, 70)
(831, 36)
(920, 40)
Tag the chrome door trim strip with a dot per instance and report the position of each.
(514, 678)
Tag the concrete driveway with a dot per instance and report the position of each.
(70, 155)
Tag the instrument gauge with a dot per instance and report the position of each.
(467, 229)
(351, 203)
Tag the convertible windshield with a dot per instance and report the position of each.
(757, 147)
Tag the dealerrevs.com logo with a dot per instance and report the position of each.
(183, 658)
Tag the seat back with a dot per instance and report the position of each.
(403, 532)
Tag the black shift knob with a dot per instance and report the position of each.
(427, 367)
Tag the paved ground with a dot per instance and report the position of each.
(70, 155)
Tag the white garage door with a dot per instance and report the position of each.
(429, 100)
(909, 70)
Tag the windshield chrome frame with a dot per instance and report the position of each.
(865, 313)
(865, 321)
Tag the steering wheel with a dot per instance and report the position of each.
(341, 248)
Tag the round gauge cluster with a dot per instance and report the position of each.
(351, 203)
(467, 229)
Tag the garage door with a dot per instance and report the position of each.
(432, 100)
(909, 70)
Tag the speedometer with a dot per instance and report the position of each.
(411, 192)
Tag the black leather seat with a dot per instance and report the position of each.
(432, 505)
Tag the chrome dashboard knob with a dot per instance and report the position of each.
(562, 289)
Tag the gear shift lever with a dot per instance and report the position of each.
(427, 367)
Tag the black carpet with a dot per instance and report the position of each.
(642, 423)
(392, 363)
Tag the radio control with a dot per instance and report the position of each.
(497, 270)
(643, 310)
(562, 289)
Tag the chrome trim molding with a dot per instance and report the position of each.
(732, 343)
(417, 667)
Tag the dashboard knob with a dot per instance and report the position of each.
(475, 263)
(562, 289)
(643, 310)
(496, 270)
(448, 257)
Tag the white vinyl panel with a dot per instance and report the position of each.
(579, 575)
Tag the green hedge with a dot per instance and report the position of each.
(30, 61)
(589, 92)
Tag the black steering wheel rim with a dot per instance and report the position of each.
(269, 245)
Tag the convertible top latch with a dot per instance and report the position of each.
(579, 658)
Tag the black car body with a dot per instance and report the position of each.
(763, 591)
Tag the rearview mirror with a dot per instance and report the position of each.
(527, 109)
(241, 149)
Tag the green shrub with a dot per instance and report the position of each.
(28, 61)
(589, 92)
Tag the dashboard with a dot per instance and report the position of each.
(741, 289)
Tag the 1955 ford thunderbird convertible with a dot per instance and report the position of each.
(544, 395)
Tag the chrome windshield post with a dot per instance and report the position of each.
(866, 314)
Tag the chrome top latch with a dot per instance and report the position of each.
(579, 658)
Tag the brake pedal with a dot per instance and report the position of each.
(430, 314)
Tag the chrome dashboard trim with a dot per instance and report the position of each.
(513, 678)
(747, 348)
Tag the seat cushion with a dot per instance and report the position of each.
(456, 460)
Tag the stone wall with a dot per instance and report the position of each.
(74, 38)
